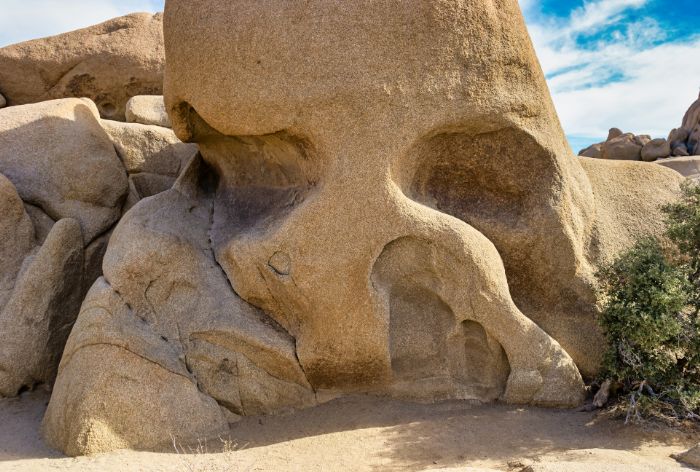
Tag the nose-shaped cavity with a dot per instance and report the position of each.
(260, 178)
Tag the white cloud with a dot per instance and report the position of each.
(22, 20)
(593, 15)
(626, 79)
(661, 84)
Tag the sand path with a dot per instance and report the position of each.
(369, 434)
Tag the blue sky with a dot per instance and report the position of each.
(633, 64)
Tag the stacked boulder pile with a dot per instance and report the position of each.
(680, 151)
(69, 171)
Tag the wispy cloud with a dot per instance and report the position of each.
(609, 65)
(21, 20)
(592, 16)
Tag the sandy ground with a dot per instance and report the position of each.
(364, 433)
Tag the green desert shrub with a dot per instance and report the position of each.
(651, 300)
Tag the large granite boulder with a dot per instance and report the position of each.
(62, 161)
(656, 149)
(108, 63)
(594, 150)
(364, 216)
(625, 147)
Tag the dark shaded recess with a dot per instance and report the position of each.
(500, 183)
(261, 179)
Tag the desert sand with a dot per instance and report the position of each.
(364, 433)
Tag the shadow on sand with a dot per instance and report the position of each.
(382, 434)
(416, 437)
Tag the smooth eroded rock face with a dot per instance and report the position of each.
(656, 149)
(38, 316)
(628, 197)
(108, 63)
(687, 166)
(594, 150)
(42, 282)
(364, 216)
(60, 159)
(16, 236)
(147, 110)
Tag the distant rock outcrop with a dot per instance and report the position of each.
(681, 142)
(626, 147)
(108, 63)
(656, 149)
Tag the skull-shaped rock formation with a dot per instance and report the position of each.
(384, 202)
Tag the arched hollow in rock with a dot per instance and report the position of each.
(434, 352)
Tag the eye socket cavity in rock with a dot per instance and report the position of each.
(261, 179)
